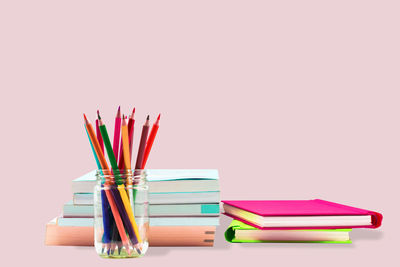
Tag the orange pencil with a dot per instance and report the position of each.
(104, 166)
(128, 205)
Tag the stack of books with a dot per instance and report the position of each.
(310, 221)
(183, 210)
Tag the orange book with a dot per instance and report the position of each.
(68, 236)
(166, 236)
(178, 236)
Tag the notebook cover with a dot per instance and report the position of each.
(315, 207)
(238, 225)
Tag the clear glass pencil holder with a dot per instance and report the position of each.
(121, 221)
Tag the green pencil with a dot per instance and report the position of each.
(110, 152)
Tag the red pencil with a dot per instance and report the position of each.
(150, 141)
(131, 127)
(142, 144)
(117, 132)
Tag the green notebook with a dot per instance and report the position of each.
(239, 232)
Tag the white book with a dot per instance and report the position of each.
(292, 235)
(164, 210)
(161, 181)
(154, 221)
(298, 221)
(161, 198)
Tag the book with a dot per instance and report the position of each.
(239, 232)
(158, 235)
(83, 199)
(162, 181)
(181, 235)
(178, 174)
(153, 221)
(183, 221)
(300, 214)
(71, 210)
(184, 210)
(68, 236)
(161, 198)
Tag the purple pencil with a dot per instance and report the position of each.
(142, 144)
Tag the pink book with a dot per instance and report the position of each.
(300, 214)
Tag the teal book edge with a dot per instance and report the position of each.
(238, 225)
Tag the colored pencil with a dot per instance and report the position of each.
(117, 131)
(111, 200)
(142, 144)
(121, 164)
(119, 197)
(98, 134)
(121, 188)
(131, 127)
(106, 239)
(150, 141)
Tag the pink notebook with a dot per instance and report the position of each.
(300, 214)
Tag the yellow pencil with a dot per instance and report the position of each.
(121, 187)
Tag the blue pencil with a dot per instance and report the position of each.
(106, 239)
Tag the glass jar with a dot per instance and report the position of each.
(121, 221)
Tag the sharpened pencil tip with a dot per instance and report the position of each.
(84, 117)
(148, 117)
(159, 115)
(133, 111)
(98, 115)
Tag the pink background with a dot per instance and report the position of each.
(288, 99)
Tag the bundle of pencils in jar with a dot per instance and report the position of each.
(121, 194)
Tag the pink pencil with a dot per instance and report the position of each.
(117, 132)
(98, 134)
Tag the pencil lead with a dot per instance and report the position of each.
(112, 248)
(119, 112)
(159, 115)
(98, 115)
(148, 117)
(133, 112)
(138, 249)
(119, 250)
(86, 119)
